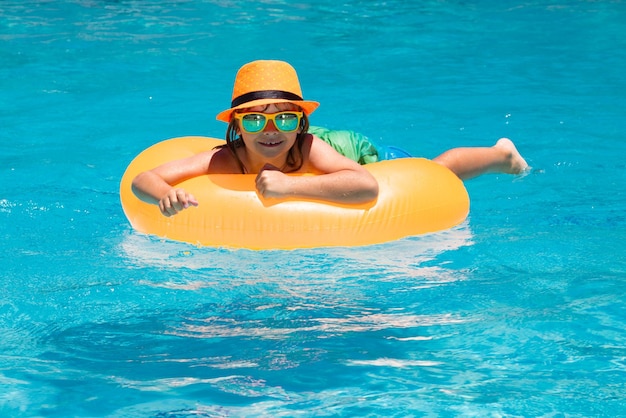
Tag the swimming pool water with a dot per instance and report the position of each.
(517, 312)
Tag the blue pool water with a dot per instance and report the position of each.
(519, 311)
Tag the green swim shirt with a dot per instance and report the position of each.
(348, 143)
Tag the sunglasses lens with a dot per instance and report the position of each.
(287, 122)
(253, 122)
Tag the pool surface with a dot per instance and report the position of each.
(518, 312)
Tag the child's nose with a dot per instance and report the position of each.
(270, 126)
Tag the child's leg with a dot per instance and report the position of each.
(466, 163)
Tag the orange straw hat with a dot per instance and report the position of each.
(264, 82)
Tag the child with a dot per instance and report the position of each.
(267, 136)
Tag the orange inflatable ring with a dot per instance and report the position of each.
(416, 196)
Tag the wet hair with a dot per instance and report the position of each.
(295, 157)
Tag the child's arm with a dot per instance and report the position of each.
(156, 186)
(338, 178)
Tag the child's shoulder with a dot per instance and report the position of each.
(221, 161)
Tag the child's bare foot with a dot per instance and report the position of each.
(516, 163)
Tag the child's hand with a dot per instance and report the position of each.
(271, 182)
(176, 200)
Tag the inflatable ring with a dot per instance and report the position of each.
(416, 196)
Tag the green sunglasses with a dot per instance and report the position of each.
(254, 122)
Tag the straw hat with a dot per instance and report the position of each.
(264, 82)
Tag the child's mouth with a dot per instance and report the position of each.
(271, 143)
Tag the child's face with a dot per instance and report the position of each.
(270, 142)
